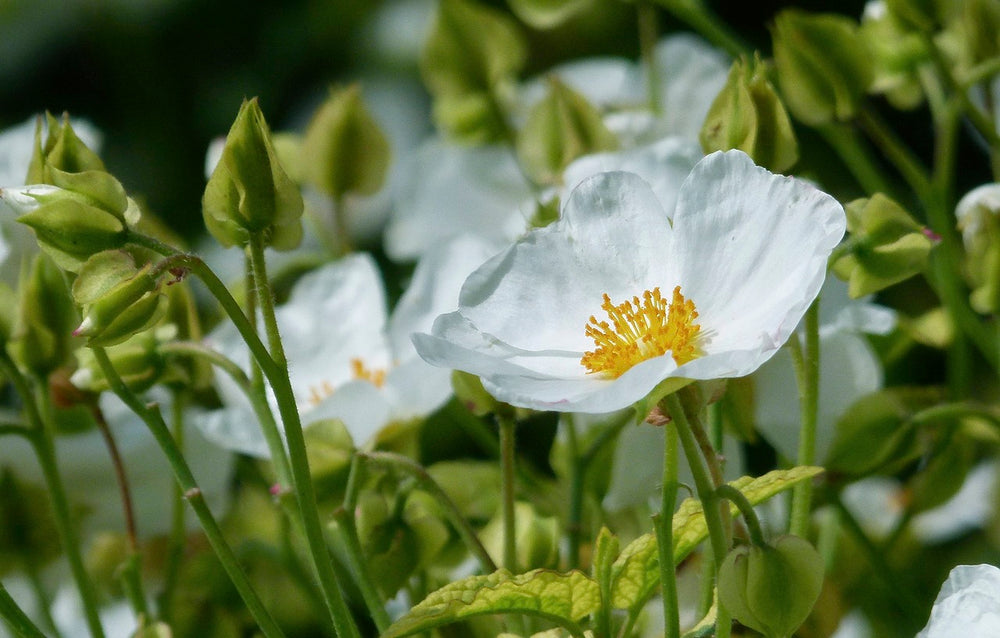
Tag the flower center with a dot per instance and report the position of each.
(640, 330)
(374, 376)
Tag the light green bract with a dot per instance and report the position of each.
(560, 598)
(636, 573)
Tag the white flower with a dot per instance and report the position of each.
(347, 360)
(738, 261)
(974, 209)
(85, 466)
(968, 604)
(849, 370)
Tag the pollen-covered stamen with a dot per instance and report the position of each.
(318, 394)
(374, 376)
(640, 330)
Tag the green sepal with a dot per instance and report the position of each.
(748, 115)
(886, 246)
(564, 599)
(42, 336)
(249, 191)
(560, 128)
(771, 588)
(547, 14)
(636, 572)
(473, 486)
(897, 54)
(344, 150)
(468, 388)
(118, 299)
(70, 231)
(536, 537)
(823, 65)
(137, 360)
(62, 150)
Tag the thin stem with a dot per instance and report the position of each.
(508, 426)
(806, 361)
(429, 485)
(746, 509)
(176, 540)
(16, 618)
(663, 524)
(119, 468)
(355, 554)
(706, 494)
(648, 36)
(908, 165)
(280, 383)
(699, 18)
(42, 598)
(577, 474)
(42, 440)
(857, 158)
(192, 493)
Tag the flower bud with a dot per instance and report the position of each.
(536, 538)
(468, 389)
(823, 65)
(560, 128)
(62, 150)
(886, 246)
(344, 150)
(41, 339)
(749, 115)
(137, 361)
(978, 216)
(771, 588)
(896, 55)
(118, 299)
(249, 191)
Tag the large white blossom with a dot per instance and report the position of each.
(746, 249)
(968, 604)
(347, 359)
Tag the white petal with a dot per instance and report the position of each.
(692, 73)
(752, 250)
(361, 407)
(447, 190)
(415, 389)
(233, 429)
(968, 604)
(969, 509)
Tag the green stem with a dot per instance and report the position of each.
(16, 618)
(577, 475)
(344, 516)
(951, 411)
(176, 539)
(746, 509)
(663, 524)
(908, 165)
(806, 361)
(42, 598)
(699, 18)
(42, 440)
(648, 36)
(706, 494)
(151, 416)
(857, 158)
(280, 383)
(508, 426)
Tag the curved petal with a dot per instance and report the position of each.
(692, 73)
(967, 605)
(361, 407)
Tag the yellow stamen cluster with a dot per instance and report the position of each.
(640, 330)
(317, 394)
(374, 376)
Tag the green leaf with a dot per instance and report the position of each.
(636, 575)
(560, 598)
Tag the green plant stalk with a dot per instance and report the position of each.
(707, 495)
(344, 516)
(41, 438)
(699, 18)
(280, 383)
(806, 360)
(901, 156)
(958, 410)
(192, 493)
(32, 571)
(577, 474)
(663, 525)
(176, 539)
(648, 35)
(16, 618)
(508, 426)
(746, 509)
(857, 158)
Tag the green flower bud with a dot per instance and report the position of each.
(249, 191)
(823, 64)
(560, 128)
(137, 360)
(70, 232)
(62, 150)
(886, 246)
(978, 216)
(344, 150)
(921, 15)
(468, 388)
(537, 538)
(771, 588)
(472, 55)
(896, 55)
(41, 339)
(749, 115)
(118, 300)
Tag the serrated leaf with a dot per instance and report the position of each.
(636, 573)
(560, 598)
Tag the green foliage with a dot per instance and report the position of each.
(547, 14)
(42, 339)
(117, 299)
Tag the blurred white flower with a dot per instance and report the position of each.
(347, 359)
(739, 259)
(968, 604)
